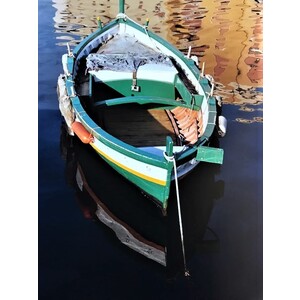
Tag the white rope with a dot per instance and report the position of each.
(172, 158)
(154, 44)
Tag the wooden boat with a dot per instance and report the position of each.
(121, 209)
(146, 108)
(136, 223)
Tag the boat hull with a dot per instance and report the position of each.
(154, 180)
(151, 172)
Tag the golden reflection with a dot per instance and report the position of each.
(227, 35)
(249, 121)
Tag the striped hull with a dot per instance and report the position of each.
(152, 179)
(152, 173)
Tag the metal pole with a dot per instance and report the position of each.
(122, 6)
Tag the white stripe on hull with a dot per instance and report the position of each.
(157, 173)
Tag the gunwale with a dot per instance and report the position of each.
(196, 94)
(203, 84)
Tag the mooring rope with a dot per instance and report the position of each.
(172, 158)
(154, 44)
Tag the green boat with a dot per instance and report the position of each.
(145, 107)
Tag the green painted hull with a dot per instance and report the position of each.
(152, 173)
(158, 192)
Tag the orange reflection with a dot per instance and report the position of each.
(227, 35)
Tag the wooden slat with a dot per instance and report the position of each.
(136, 125)
(141, 127)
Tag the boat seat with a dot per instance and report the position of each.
(153, 71)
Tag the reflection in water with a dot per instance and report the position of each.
(226, 35)
(105, 196)
(233, 35)
(75, 19)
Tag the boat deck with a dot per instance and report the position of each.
(136, 125)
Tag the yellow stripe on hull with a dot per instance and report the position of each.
(143, 176)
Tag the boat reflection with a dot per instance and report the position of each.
(103, 195)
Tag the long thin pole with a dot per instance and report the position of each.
(186, 272)
(122, 6)
(170, 158)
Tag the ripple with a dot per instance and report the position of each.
(247, 109)
(239, 94)
(250, 121)
(226, 35)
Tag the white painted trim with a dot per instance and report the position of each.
(159, 150)
(131, 163)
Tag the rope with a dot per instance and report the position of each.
(147, 33)
(172, 159)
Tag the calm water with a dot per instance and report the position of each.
(81, 258)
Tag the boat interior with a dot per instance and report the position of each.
(138, 94)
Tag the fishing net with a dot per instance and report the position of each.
(124, 53)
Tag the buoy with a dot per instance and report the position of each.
(222, 126)
(82, 133)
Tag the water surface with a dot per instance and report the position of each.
(81, 258)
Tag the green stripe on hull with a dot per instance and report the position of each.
(157, 191)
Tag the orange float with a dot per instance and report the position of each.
(82, 133)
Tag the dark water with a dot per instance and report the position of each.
(81, 258)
